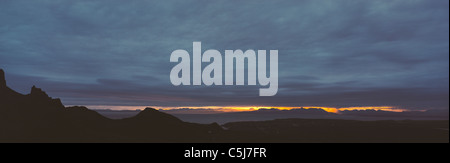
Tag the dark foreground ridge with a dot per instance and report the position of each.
(36, 117)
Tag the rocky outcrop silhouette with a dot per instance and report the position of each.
(36, 117)
(2, 79)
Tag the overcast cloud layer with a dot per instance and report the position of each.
(331, 52)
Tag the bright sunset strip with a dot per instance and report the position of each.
(251, 108)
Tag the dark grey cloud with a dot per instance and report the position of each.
(332, 53)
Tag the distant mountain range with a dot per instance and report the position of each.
(207, 116)
(36, 117)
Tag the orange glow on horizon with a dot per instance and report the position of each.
(377, 108)
(251, 108)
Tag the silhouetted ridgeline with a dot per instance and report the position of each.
(36, 117)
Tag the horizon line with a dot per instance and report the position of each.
(246, 108)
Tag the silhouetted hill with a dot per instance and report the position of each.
(2, 79)
(36, 117)
(150, 115)
(7, 95)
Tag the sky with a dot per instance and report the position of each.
(332, 53)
